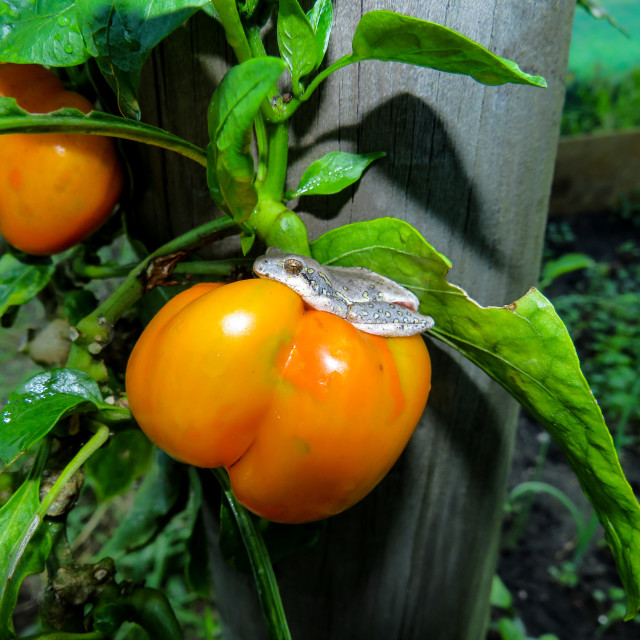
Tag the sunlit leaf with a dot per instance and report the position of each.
(526, 348)
(384, 35)
(43, 32)
(392, 37)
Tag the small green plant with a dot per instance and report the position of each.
(507, 624)
(602, 103)
(614, 599)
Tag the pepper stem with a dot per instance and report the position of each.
(268, 592)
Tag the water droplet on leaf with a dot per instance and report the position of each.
(63, 21)
(68, 47)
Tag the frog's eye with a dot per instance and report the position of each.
(292, 266)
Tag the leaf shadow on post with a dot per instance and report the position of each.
(418, 146)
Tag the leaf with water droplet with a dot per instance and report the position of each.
(40, 403)
(32, 33)
(333, 173)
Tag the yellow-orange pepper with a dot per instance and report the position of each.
(306, 413)
(55, 188)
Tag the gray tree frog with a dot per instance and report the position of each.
(372, 303)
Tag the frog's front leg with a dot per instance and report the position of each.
(387, 319)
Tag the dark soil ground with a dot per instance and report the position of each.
(590, 609)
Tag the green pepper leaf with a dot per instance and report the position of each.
(296, 42)
(13, 119)
(44, 32)
(155, 498)
(232, 110)
(112, 469)
(333, 173)
(321, 19)
(566, 263)
(197, 571)
(19, 558)
(391, 37)
(21, 278)
(120, 35)
(526, 348)
(388, 36)
(40, 403)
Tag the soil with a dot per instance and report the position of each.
(543, 604)
(591, 609)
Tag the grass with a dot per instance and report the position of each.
(604, 102)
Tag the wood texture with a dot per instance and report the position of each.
(471, 167)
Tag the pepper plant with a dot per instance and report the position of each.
(60, 418)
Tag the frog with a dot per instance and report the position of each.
(369, 301)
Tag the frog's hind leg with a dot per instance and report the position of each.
(387, 319)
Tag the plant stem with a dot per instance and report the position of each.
(234, 32)
(273, 108)
(522, 513)
(96, 441)
(199, 267)
(273, 186)
(267, 587)
(262, 142)
(95, 329)
(338, 64)
(103, 124)
(65, 635)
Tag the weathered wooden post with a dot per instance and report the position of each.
(470, 166)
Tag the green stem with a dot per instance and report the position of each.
(338, 64)
(96, 328)
(522, 514)
(64, 635)
(273, 108)
(198, 267)
(103, 124)
(232, 25)
(96, 441)
(262, 142)
(267, 587)
(281, 110)
(273, 186)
